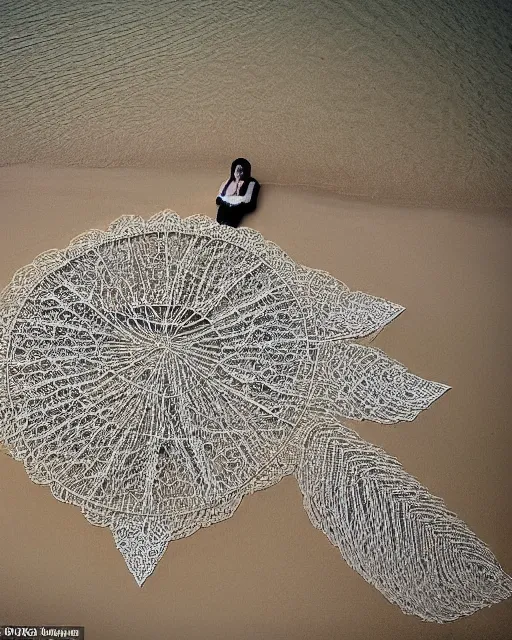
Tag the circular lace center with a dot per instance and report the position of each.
(159, 372)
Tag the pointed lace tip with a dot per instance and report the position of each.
(140, 580)
(443, 388)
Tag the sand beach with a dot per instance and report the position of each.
(267, 571)
(381, 135)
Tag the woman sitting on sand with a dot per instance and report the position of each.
(238, 195)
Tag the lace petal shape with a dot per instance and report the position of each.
(393, 532)
(341, 313)
(142, 542)
(363, 383)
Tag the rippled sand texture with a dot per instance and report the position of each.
(402, 101)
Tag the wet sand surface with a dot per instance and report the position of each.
(398, 101)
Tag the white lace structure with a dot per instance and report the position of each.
(156, 373)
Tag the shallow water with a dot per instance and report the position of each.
(407, 102)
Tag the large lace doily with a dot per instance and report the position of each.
(156, 373)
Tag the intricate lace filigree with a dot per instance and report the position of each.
(156, 373)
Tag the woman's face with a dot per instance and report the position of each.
(239, 172)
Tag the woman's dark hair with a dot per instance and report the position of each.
(246, 166)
